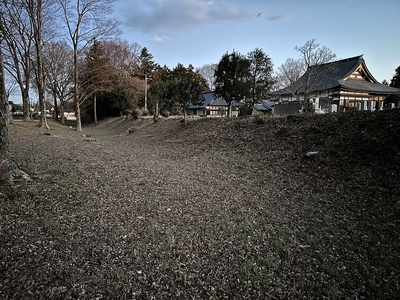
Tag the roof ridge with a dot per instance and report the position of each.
(358, 57)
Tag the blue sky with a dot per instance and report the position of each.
(199, 32)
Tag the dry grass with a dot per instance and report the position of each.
(132, 209)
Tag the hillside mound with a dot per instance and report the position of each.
(218, 209)
(347, 144)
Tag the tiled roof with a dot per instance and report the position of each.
(219, 102)
(265, 105)
(209, 99)
(369, 87)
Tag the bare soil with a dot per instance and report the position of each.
(220, 208)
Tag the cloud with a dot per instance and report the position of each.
(279, 17)
(164, 17)
(160, 38)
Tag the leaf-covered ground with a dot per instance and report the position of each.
(231, 209)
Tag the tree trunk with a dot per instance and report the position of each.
(42, 107)
(9, 171)
(62, 117)
(5, 158)
(8, 168)
(78, 117)
(43, 117)
(26, 105)
(95, 108)
(76, 89)
(185, 116)
(8, 112)
(230, 109)
(36, 21)
(4, 142)
(55, 106)
(157, 112)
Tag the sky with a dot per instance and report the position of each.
(200, 32)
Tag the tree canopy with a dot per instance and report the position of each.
(233, 78)
(121, 76)
(186, 86)
(394, 82)
(58, 73)
(106, 79)
(261, 69)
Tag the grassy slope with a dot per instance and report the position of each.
(220, 208)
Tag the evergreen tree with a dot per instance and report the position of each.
(146, 63)
(233, 78)
(261, 69)
(159, 92)
(186, 86)
(395, 82)
(146, 68)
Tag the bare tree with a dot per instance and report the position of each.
(10, 84)
(312, 54)
(58, 73)
(125, 59)
(35, 12)
(17, 32)
(208, 72)
(86, 20)
(312, 57)
(9, 170)
(288, 73)
(5, 156)
(122, 55)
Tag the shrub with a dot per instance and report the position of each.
(135, 113)
(165, 113)
(259, 119)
